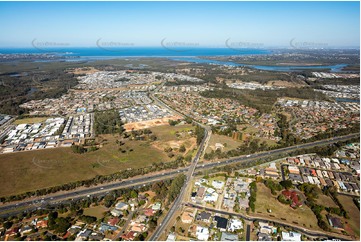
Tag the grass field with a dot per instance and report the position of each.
(32, 170)
(96, 211)
(326, 201)
(167, 133)
(353, 212)
(302, 216)
(216, 138)
(231, 144)
(251, 130)
(30, 120)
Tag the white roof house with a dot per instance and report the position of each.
(211, 197)
(202, 233)
(121, 206)
(217, 184)
(171, 237)
(235, 224)
(291, 236)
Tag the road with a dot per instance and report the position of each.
(248, 232)
(160, 229)
(125, 226)
(36, 202)
(249, 218)
(202, 147)
(280, 151)
(41, 202)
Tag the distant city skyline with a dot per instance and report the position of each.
(180, 24)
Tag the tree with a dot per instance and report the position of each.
(200, 134)
(287, 184)
(152, 224)
(79, 149)
(8, 224)
(182, 148)
(62, 225)
(88, 219)
(133, 194)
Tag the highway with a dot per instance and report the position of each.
(33, 203)
(41, 202)
(264, 154)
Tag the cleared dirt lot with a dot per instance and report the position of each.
(150, 123)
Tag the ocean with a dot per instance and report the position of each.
(178, 54)
(135, 51)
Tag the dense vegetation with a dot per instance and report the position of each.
(62, 216)
(169, 190)
(32, 85)
(252, 198)
(200, 132)
(108, 122)
(263, 100)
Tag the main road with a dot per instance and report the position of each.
(202, 147)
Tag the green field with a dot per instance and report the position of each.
(167, 133)
(231, 144)
(31, 120)
(96, 211)
(326, 201)
(223, 139)
(353, 212)
(302, 216)
(32, 170)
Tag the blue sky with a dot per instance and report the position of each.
(209, 24)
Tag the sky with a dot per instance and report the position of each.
(198, 24)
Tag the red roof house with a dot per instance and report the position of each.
(292, 195)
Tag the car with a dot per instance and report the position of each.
(248, 155)
(101, 188)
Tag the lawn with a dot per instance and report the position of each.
(223, 139)
(168, 133)
(248, 129)
(31, 120)
(326, 201)
(32, 170)
(96, 211)
(302, 216)
(353, 212)
(231, 144)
